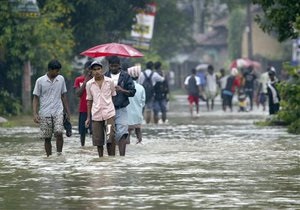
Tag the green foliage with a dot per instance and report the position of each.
(102, 21)
(54, 36)
(263, 123)
(65, 28)
(37, 40)
(236, 27)
(7, 124)
(235, 4)
(280, 17)
(9, 104)
(172, 30)
(294, 127)
(290, 100)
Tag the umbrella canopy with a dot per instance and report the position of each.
(112, 49)
(244, 63)
(202, 66)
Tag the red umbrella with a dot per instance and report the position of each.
(112, 49)
(244, 63)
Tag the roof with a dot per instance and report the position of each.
(219, 33)
(214, 37)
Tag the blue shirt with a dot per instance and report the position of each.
(135, 107)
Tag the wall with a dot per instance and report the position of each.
(263, 44)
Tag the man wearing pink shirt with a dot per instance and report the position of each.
(100, 90)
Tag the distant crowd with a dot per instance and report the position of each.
(249, 87)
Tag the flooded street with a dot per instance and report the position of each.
(217, 161)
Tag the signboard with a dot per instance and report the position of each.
(25, 8)
(142, 30)
(143, 44)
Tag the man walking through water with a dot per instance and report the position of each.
(79, 86)
(125, 88)
(99, 91)
(193, 86)
(49, 95)
(273, 93)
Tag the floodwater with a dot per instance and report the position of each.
(217, 161)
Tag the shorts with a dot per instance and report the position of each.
(160, 106)
(193, 99)
(149, 105)
(111, 130)
(121, 124)
(100, 131)
(134, 126)
(51, 125)
(81, 124)
(262, 98)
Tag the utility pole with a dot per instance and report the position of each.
(26, 87)
(199, 16)
(249, 31)
(196, 17)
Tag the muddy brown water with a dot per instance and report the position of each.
(217, 161)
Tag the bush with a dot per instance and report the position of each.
(9, 105)
(290, 101)
(294, 127)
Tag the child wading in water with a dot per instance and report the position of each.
(242, 98)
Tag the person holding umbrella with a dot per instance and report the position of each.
(123, 85)
(125, 88)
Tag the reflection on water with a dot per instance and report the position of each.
(213, 162)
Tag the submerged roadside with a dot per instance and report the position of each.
(178, 113)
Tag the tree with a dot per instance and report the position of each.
(280, 17)
(290, 101)
(283, 18)
(235, 4)
(172, 30)
(236, 27)
(36, 39)
(65, 28)
(102, 21)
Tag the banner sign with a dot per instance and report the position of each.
(142, 30)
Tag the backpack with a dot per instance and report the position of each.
(161, 90)
(192, 86)
(149, 89)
